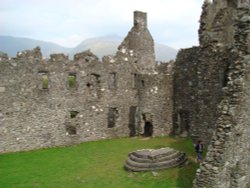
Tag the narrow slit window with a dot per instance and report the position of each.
(71, 130)
(45, 81)
(72, 83)
(73, 114)
(134, 81)
(223, 78)
(112, 80)
(142, 83)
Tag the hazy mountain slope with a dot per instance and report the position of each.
(11, 45)
(164, 53)
(100, 46)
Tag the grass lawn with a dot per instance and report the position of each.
(96, 164)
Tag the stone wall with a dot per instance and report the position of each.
(227, 162)
(211, 94)
(185, 91)
(200, 73)
(212, 78)
(155, 94)
(57, 101)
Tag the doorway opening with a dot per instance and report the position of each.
(113, 115)
(148, 125)
(182, 124)
(148, 129)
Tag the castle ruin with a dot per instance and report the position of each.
(57, 101)
(204, 94)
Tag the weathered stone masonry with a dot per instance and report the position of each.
(201, 73)
(199, 77)
(211, 94)
(57, 101)
(227, 162)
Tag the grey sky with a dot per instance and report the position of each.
(68, 22)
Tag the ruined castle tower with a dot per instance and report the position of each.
(211, 93)
(224, 46)
(140, 41)
(201, 73)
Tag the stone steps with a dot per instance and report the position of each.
(139, 159)
(148, 160)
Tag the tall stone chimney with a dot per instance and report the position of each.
(140, 20)
(140, 41)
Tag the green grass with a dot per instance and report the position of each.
(93, 165)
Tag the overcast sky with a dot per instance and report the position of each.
(68, 22)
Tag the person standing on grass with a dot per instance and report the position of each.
(199, 150)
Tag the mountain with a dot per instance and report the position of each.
(100, 46)
(106, 45)
(12, 45)
(164, 53)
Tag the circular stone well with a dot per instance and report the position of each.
(150, 159)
